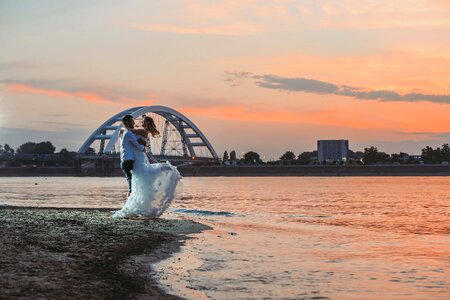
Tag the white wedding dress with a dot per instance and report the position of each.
(153, 186)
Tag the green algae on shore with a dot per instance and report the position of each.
(83, 254)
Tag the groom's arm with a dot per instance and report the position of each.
(134, 141)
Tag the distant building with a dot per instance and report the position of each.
(332, 150)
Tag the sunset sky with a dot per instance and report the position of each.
(267, 76)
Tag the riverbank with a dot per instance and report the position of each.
(318, 170)
(84, 254)
(264, 170)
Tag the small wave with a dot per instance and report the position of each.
(204, 212)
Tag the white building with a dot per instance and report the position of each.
(332, 150)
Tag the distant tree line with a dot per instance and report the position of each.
(436, 156)
(429, 155)
(250, 157)
(371, 155)
(253, 158)
(32, 152)
(37, 148)
(6, 149)
(42, 153)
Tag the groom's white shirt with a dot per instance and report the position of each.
(128, 141)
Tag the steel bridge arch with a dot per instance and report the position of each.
(108, 132)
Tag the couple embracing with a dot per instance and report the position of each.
(151, 185)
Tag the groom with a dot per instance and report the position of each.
(127, 143)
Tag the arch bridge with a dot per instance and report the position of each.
(180, 138)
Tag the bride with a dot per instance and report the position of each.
(153, 185)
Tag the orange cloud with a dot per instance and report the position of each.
(247, 114)
(383, 14)
(21, 88)
(88, 96)
(246, 17)
(399, 117)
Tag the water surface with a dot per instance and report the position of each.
(289, 237)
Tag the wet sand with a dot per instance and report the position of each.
(84, 253)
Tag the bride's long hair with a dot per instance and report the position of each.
(150, 125)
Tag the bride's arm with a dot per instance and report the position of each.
(139, 131)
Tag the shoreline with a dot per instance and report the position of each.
(257, 171)
(56, 253)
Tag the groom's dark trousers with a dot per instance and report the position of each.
(127, 166)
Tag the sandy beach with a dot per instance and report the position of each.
(84, 253)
